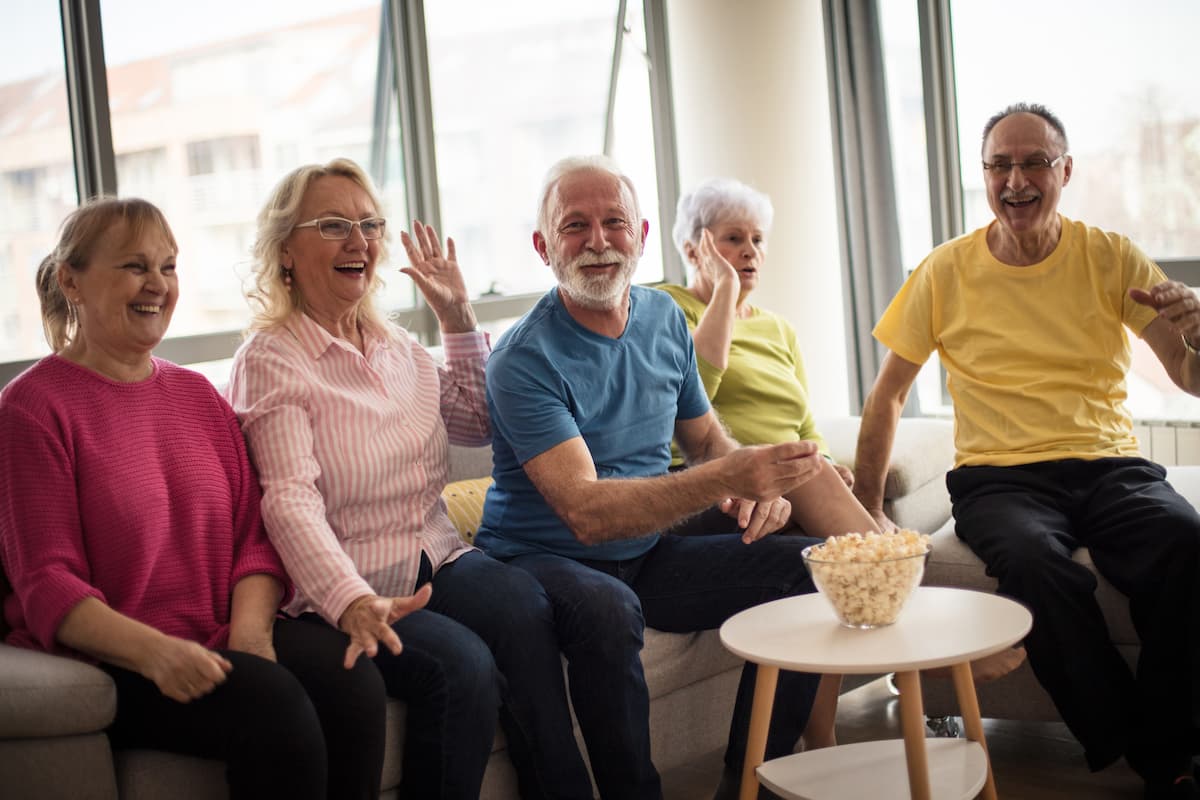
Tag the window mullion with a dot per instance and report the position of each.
(662, 111)
(941, 120)
(87, 98)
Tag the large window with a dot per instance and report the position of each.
(37, 175)
(211, 104)
(455, 107)
(516, 86)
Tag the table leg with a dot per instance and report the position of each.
(760, 721)
(912, 721)
(968, 706)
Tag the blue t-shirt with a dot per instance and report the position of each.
(549, 380)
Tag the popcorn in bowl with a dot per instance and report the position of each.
(867, 577)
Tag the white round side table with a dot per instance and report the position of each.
(938, 627)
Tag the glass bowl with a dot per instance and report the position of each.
(866, 593)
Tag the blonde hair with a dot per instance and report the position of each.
(272, 299)
(78, 237)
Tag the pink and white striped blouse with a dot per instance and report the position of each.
(352, 451)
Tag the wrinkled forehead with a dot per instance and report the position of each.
(590, 190)
(1021, 134)
(141, 234)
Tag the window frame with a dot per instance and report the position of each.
(402, 30)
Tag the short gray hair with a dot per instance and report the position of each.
(571, 165)
(714, 200)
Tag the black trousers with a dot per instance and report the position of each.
(304, 727)
(1144, 538)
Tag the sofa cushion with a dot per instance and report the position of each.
(44, 695)
(922, 451)
(464, 504)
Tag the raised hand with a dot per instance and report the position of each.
(1177, 304)
(438, 277)
(368, 622)
(712, 263)
(183, 670)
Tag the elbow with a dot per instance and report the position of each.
(586, 527)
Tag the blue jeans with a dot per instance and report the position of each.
(486, 638)
(683, 584)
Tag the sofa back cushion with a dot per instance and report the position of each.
(464, 503)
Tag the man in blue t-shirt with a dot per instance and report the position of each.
(586, 392)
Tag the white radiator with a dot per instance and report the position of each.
(1169, 443)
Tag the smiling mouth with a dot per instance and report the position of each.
(356, 268)
(1021, 202)
(142, 308)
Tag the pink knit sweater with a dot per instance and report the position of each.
(138, 494)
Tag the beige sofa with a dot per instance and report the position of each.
(53, 711)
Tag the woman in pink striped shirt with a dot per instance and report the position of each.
(349, 420)
(130, 531)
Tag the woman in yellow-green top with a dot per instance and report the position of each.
(748, 357)
(751, 367)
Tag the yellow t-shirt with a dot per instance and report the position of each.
(1036, 356)
(762, 395)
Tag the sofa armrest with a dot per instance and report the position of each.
(43, 695)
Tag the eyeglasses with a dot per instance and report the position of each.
(339, 228)
(1002, 166)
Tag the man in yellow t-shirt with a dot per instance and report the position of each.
(1028, 315)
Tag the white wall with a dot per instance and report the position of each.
(752, 102)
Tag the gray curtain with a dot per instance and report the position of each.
(872, 269)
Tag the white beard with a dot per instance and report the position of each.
(596, 292)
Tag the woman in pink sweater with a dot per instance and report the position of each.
(131, 535)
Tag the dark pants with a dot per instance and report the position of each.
(1024, 522)
(300, 728)
(486, 637)
(683, 584)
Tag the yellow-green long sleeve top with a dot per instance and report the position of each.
(762, 395)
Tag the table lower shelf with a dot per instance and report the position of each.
(957, 771)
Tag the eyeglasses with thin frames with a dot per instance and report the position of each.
(340, 227)
(1003, 166)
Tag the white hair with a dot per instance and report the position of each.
(714, 200)
(571, 165)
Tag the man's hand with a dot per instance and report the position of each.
(369, 618)
(881, 519)
(767, 472)
(1177, 304)
(758, 519)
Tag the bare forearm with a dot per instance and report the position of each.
(252, 612)
(875, 438)
(714, 331)
(625, 508)
(96, 630)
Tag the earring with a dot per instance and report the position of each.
(287, 275)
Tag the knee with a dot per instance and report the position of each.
(603, 619)
(471, 673)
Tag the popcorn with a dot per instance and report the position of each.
(867, 577)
